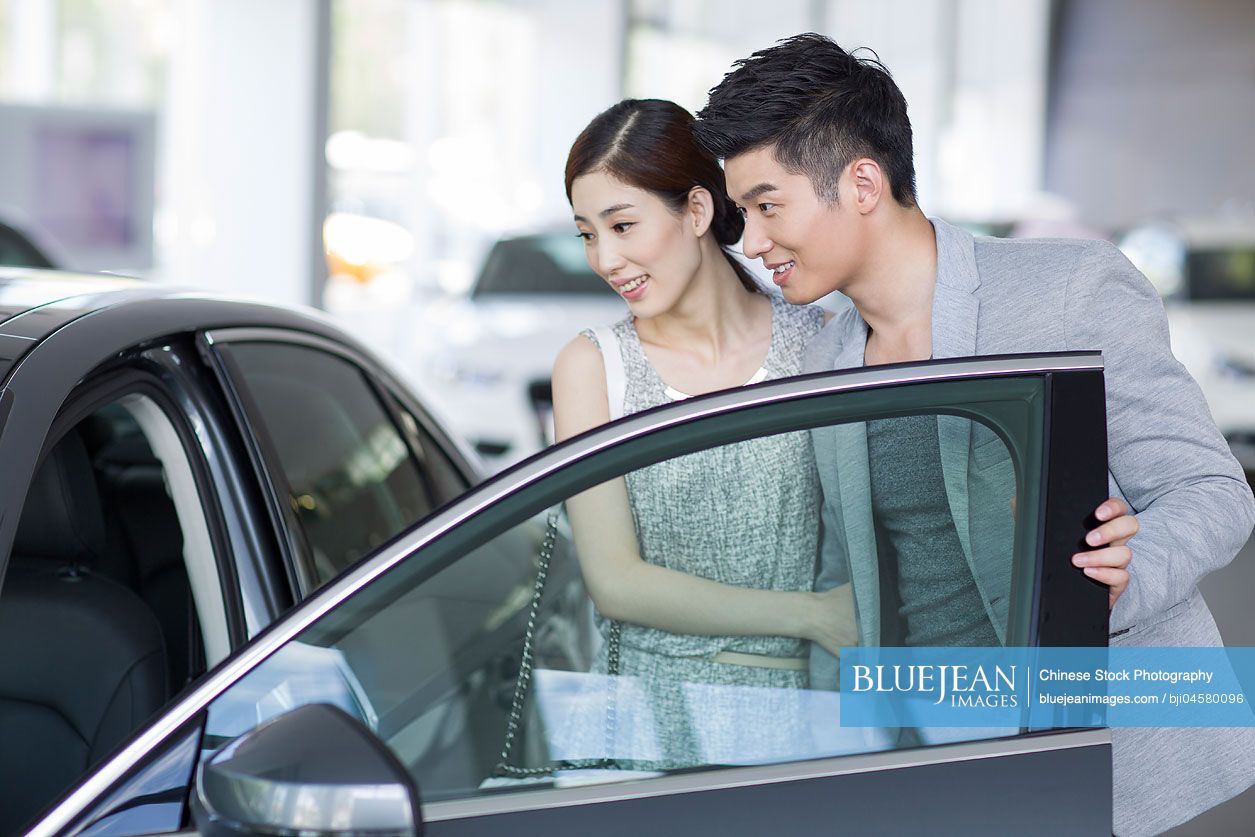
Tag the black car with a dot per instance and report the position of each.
(179, 471)
(212, 468)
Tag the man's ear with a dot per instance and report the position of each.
(868, 183)
(701, 210)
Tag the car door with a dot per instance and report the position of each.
(423, 643)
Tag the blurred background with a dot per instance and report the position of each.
(398, 163)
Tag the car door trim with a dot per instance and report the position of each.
(516, 479)
(737, 777)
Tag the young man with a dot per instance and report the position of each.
(817, 150)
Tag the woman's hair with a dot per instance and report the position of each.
(649, 144)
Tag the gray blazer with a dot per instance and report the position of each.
(1166, 458)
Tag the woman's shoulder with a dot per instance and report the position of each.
(599, 334)
(581, 355)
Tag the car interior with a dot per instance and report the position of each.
(99, 626)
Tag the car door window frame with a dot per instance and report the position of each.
(545, 478)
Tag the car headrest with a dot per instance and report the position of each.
(97, 433)
(62, 517)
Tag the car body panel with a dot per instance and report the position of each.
(23, 290)
(891, 792)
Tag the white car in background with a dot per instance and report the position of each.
(485, 357)
(1206, 275)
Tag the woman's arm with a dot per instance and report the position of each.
(625, 587)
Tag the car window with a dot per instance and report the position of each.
(1221, 273)
(16, 250)
(350, 480)
(444, 479)
(151, 801)
(431, 655)
(552, 263)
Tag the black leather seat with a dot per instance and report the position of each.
(145, 541)
(82, 662)
(149, 525)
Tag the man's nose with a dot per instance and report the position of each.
(754, 243)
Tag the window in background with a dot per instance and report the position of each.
(433, 112)
(81, 83)
(679, 51)
(101, 53)
(111, 52)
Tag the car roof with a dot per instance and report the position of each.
(38, 305)
(25, 289)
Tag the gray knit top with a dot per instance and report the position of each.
(745, 514)
(937, 595)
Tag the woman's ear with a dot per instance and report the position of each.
(701, 210)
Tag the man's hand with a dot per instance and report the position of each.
(1110, 563)
(832, 622)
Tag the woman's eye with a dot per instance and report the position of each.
(587, 236)
(622, 227)
(766, 207)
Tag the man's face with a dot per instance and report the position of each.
(812, 247)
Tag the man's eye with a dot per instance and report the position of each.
(766, 207)
(622, 226)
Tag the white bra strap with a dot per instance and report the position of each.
(616, 381)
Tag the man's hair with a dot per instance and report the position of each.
(819, 108)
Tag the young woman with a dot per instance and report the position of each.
(707, 561)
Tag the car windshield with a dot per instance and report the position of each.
(552, 263)
(1221, 273)
(16, 250)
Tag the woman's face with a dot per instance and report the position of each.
(648, 253)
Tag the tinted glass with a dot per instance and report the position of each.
(152, 801)
(539, 264)
(445, 481)
(917, 526)
(16, 250)
(352, 482)
(1221, 274)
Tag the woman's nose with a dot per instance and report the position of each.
(609, 259)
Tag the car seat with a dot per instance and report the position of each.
(82, 662)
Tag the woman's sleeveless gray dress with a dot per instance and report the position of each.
(744, 514)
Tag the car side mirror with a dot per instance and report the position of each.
(313, 770)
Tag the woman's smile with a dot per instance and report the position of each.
(632, 289)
